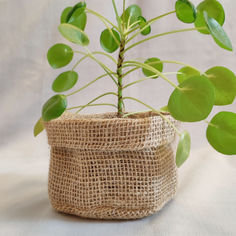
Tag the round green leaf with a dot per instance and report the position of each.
(186, 73)
(74, 34)
(79, 7)
(218, 33)
(214, 9)
(193, 100)
(54, 107)
(185, 11)
(142, 24)
(78, 19)
(107, 41)
(155, 63)
(65, 14)
(39, 127)
(131, 15)
(221, 133)
(224, 81)
(183, 149)
(59, 55)
(65, 81)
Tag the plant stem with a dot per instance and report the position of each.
(120, 77)
(87, 85)
(150, 22)
(117, 17)
(101, 17)
(95, 99)
(93, 105)
(156, 111)
(163, 34)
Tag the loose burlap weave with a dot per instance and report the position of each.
(106, 167)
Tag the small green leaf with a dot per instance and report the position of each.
(183, 149)
(218, 33)
(214, 9)
(59, 55)
(185, 11)
(54, 107)
(131, 15)
(39, 127)
(142, 24)
(155, 63)
(193, 100)
(74, 34)
(65, 81)
(79, 7)
(108, 42)
(221, 133)
(186, 73)
(78, 19)
(65, 14)
(164, 109)
(224, 81)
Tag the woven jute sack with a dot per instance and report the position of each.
(105, 167)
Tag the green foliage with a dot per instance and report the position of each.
(65, 81)
(221, 133)
(65, 14)
(54, 107)
(107, 41)
(39, 127)
(218, 33)
(224, 81)
(142, 24)
(59, 55)
(185, 11)
(155, 63)
(193, 100)
(131, 15)
(183, 149)
(186, 73)
(214, 9)
(79, 7)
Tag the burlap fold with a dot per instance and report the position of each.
(105, 167)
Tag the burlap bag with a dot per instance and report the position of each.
(105, 167)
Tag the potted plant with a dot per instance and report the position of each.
(122, 165)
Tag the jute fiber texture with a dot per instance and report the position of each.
(104, 167)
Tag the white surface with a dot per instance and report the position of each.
(204, 206)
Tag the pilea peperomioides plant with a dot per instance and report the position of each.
(193, 97)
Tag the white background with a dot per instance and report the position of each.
(206, 201)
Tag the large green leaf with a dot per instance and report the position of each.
(193, 100)
(142, 24)
(186, 73)
(155, 63)
(39, 127)
(74, 34)
(131, 15)
(65, 14)
(185, 11)
(78, 19)
(224, 81)
(79, 7)
(54, 107)
(214, 9)
(107, 41)
(218, 33)
(59, 55)
(183, 149)
(65, 81)
(221, 133)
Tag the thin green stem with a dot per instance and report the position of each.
(163, 34)
(93, 105)
(117, 17)
(87, 85)
(151, 22)
(95, 99)
(101, 17)
(156, 111)
(146, 66)
(139, 81)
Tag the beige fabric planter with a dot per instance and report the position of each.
(108, 168)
